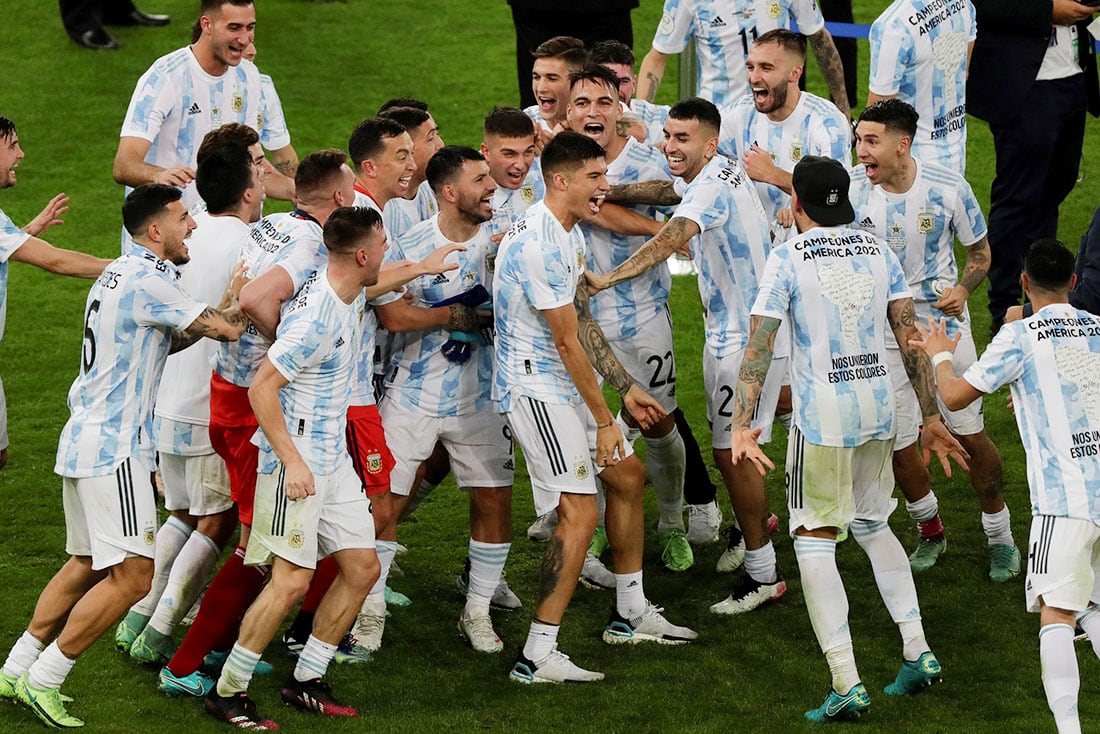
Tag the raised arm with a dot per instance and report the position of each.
(646, 193)
(975, 269)
(673, 236)
(621, 220)
(828, 60)
(262, 299)
(650, 74)
(280, 182)
(225, 325)
(955, 392)
(130, 168)
(56, 260)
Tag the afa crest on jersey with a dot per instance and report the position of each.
(926, 221)
(774, 10)
(796, 150)
(238, 102)
(528, 193)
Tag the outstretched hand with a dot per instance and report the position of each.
(743, 445)
(936, 438)
(49, 216)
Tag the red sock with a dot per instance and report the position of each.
(231, 592)
(931, 528)
(319, 586)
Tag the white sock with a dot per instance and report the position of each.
(486, 565)
(170, 540)
(1088, 619)
(827, 604)
(760, 564)
(1061, 679)
(238, 670)
(189, 574)
(51, 669)
(23, 654)
(541, 640)
(376, 599)
(923, 509)
(629, 594)
(313, 660)
(894, 579)
(666, 462)
(998, 527)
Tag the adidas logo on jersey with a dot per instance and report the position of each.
(440, 279)
(867, 222)
(194, 109)
(339, 343)
(718, 22)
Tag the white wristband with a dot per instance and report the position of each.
(939, 357)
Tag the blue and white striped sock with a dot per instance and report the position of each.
(486, 566)
(314, 660)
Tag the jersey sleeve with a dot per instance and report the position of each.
(158, 301)
(705, 205)
(274, 133)
(11, 237)
(302, 342)
(807, 16)
(968, 221)
(301, 261)
(831, 138)
(547, 285)
(674, 29)
(153, 100)
(891, 53)
(773, 299)
(1002, 362)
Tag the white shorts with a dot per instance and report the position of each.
(649, 358)
(965, 422)
(479, 444)
(1063, 561)
(198, 485)
(830, 486)
(720, 383)
(336, 517)
(559, 445)
(111, 517)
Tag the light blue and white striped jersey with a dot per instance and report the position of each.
(370, 360)
(420, 378)
(814, 127)
(509, 205)
(129, 316)
(730, 251)
(274, 133)
(176, 103)
(535, 114)
(183, 400)
(653, 116)
(920, 226)
(538, 267)
(1052, 361)
(724, 31)
(11, 239)
(622, 309)
(292, 241)
(401, 215)
(833, 286)
(918, 53)
(315, 350)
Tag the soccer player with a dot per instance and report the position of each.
(773, 126)
(555, 60)
(547, 344)
(837, 287)
(196, 481)
(720, 205)
(135, 315)
(634, 315)
(309, 499)
(723, 38)
(185, 95)
(920, 51)
(619, 58)
(510, 148)
(418, 202)
(24, 245)
(1051, 360)
(918, 209)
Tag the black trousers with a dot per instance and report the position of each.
(1038, 157)
(79, 16)
(841, 11)
(533, 27)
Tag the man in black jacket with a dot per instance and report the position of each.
(84, 20)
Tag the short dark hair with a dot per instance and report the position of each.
(508, 122)
(568, 151)
(789, 41)
(347, 226)
(568, 49)
(409, 118)
(697, 108)
(317, 171)
(231, 133)
(595, 73)
(223, 175)
(7, 128)
(611, 52)
(1049, 264)
(895, 115)
(368, 138)
(413, 102)
(447, 163)
(144, 204)
(207, 5)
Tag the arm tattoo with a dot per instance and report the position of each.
(828, 60)
(550, 572)
(651, 193)
(671, 238)
(754, 368)
(653, 81)
(181, 340)
(918, 366)
(595, 344)
(977, 266)
(202, 327)
(286, 167)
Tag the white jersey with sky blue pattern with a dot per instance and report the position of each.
(420, 379)
(918, 54)
(814, 127)
(129, 316)
(621, 309)
(176, 103)
(509, 205)
(274, 133)
(11, 239)
(653, 116)
(921, 226)
(538, 267)
(730, 251)
(401, 215)
(1052, 362)
(315, 350)
(369, 361)
(291, 241)
(833, 286)
(724, 31)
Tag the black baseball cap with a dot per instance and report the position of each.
(822, 188)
